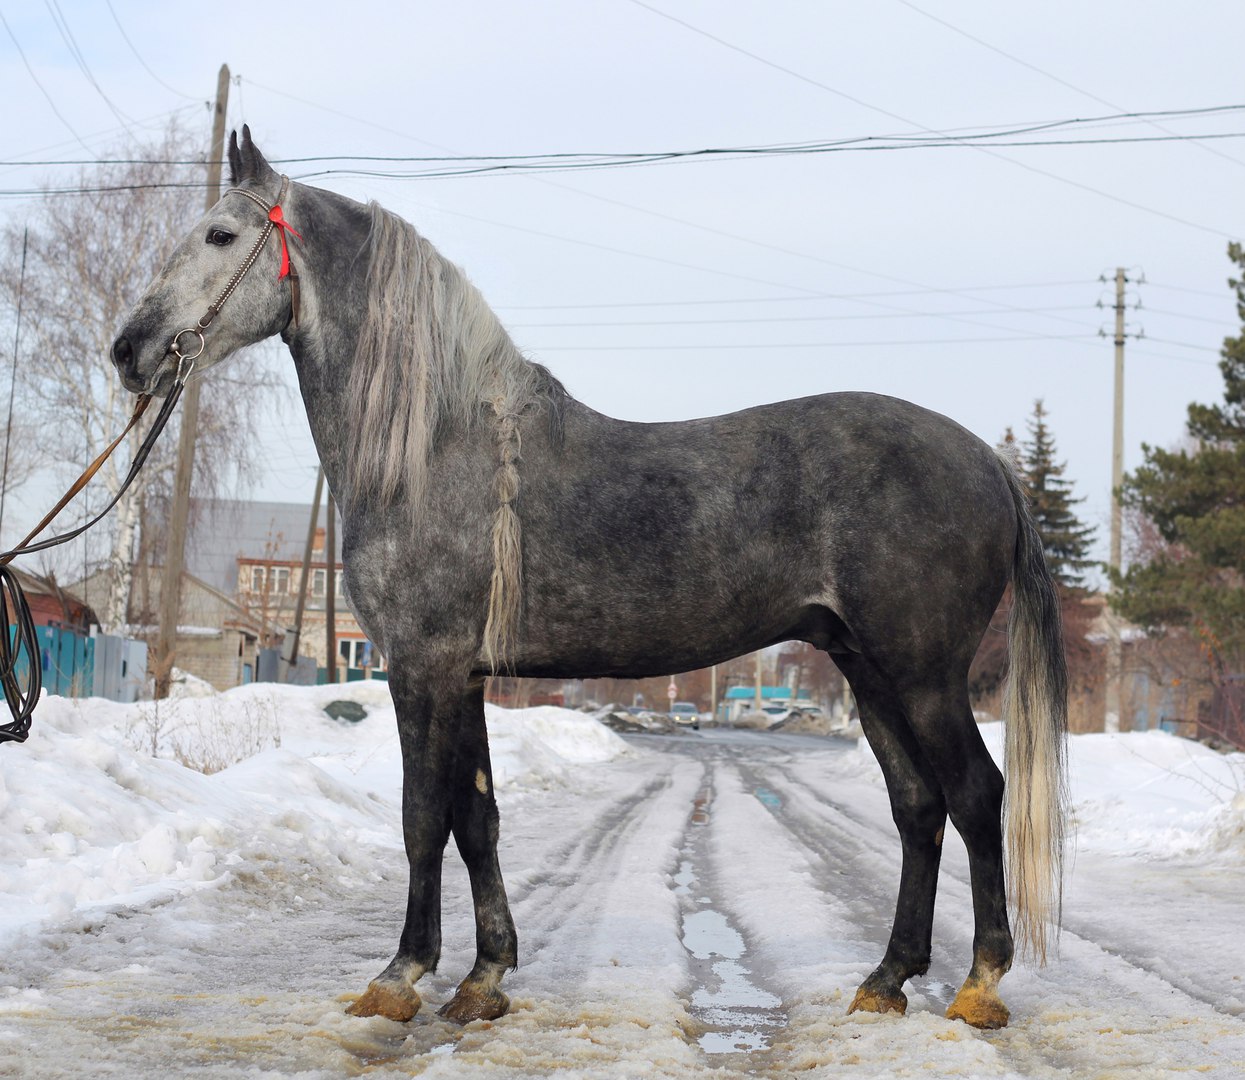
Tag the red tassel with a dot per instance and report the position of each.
(283, 226)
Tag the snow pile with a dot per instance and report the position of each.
(1143, 793)
(1154, 794)
(110, 806)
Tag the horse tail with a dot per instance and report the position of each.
(1035, 705)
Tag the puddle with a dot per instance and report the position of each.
(769, 798)
(738, 1014)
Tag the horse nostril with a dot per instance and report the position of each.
(122, 353)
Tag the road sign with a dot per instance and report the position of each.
(672, 691)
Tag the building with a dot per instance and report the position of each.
(218, 640)
(253, 552)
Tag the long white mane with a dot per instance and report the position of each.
(431, 355)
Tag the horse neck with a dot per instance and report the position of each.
(332, 283)
(470, 369)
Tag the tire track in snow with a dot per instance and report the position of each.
(1088, 991)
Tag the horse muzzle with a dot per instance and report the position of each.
(157, 382)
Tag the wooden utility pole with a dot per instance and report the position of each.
(175, 552)
(330, 591)
(1111, 720)
(289, 648)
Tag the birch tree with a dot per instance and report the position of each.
(91, 254)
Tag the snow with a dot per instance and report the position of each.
(730, 944)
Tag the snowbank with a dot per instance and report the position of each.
(108, 806)
(1142, 793)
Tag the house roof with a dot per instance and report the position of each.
(226, 529)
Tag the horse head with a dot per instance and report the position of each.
(229, 255)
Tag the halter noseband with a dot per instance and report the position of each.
(276, 220)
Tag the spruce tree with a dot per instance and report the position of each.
(1065, 539)
(1196, 500)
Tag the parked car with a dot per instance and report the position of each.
(685, 712)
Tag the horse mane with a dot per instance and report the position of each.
(432, 357)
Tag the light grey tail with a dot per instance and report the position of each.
(1035, 706)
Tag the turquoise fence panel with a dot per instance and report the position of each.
(66, 660)
(66, 668)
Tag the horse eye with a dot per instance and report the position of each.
(219, 237)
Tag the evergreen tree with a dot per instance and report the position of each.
(1065, 539)
(1196, 500)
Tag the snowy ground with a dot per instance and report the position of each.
(701, 904)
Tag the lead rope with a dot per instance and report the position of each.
(21, 688)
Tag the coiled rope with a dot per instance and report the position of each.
(21, 686)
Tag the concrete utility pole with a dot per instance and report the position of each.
(289, 648)
(175, 553)
(1115, 658)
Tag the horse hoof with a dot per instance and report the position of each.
(474, 1003)
(979, 1007)
(390, 1000)
(869, 1000)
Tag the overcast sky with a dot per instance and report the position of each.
(964, 279)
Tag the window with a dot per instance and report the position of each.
(340, 589)
(356, 652)
(280, 578)
(257, 579)
(318, 578)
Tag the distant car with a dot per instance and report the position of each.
(685, 712)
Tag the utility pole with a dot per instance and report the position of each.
(17, 337)
(330, 592)
(175, 553)
(1115, 657)
(289, 647)
(1117, 444)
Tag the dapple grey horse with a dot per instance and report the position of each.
(494, 524)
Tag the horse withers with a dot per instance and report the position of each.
(493, 523)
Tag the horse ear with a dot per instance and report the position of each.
(253, 165)
(235, 160)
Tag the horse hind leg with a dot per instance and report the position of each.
(475, 824)
(943, 724)
(919, 811)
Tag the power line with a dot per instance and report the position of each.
(62, 26)
(138, 56)
(794, 318)
(895, 116)
(1194, 292)
(817, 344)
(786, 299)
(599, 158)
(1045, 74)
(42, 89)
(1183, 344)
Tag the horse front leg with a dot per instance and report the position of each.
(430, 718)
(476, 823)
